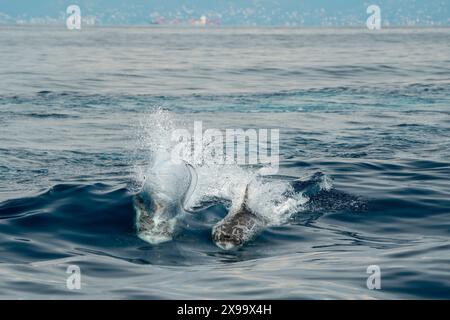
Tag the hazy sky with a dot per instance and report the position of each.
(230, 12)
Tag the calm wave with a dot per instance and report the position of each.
(369, 110)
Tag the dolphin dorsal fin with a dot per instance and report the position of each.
(245, 200)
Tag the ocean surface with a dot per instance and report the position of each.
(369, 110)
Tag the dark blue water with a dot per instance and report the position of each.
(369, 110)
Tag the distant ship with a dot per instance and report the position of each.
(202, 21)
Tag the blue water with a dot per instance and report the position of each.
(368, 109)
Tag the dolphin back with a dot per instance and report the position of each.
(238, 227)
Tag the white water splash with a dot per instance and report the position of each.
(274, 200)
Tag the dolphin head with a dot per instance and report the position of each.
(155, 221)
(161, 201)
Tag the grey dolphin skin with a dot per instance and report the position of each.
(145, 221)
(149, 226)
(238, 227)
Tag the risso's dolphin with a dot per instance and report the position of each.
(240, 226)
(161, 201)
